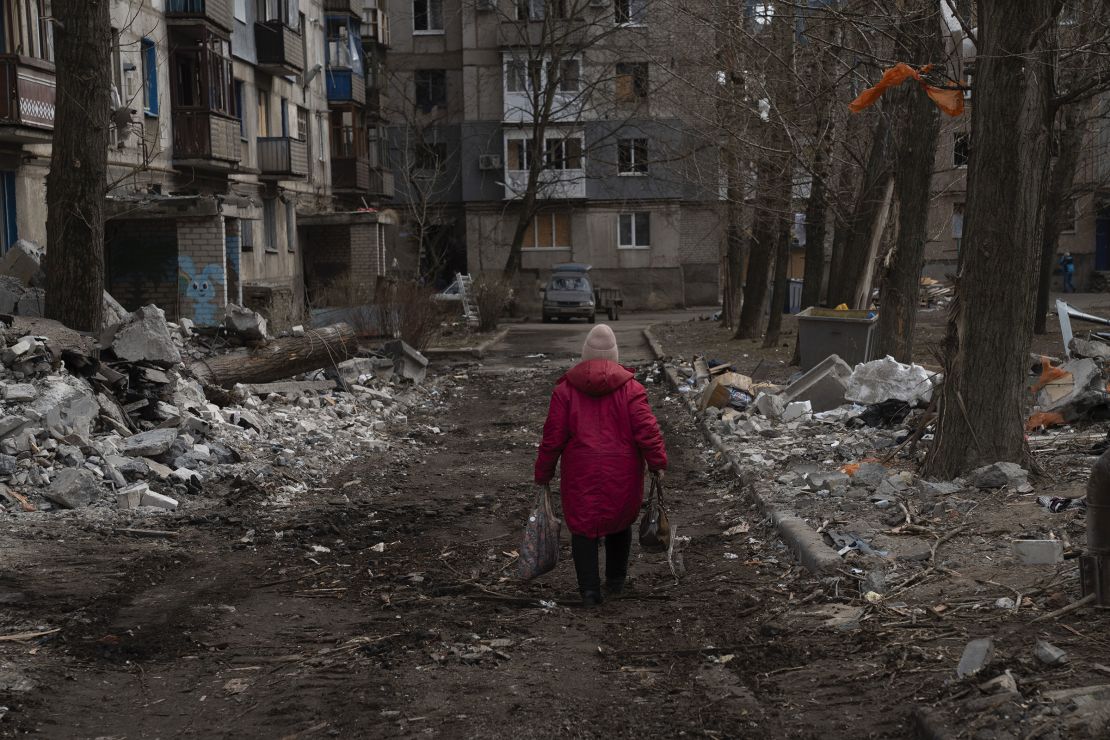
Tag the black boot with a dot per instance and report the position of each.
(617, 548)
(591, 598)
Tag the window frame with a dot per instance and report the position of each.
(551, 217)
(632, 157)
(430, 87)
(269, 225)
(430, 18)
(148, 60)
(634, 230)
(558, 145)
(630, 12)
(639, 84)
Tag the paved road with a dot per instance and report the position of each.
(562, 343)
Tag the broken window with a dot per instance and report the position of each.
(632, 82)
(632, 156)
(430, 156)
(201, 74)
(569, 75)
(635, 230)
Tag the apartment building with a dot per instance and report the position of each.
(224, 150)
(624, 183)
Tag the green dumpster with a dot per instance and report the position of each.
(826, 331)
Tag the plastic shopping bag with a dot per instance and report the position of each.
(539, 551)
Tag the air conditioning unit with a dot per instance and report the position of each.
(487, 4)
(489, 162)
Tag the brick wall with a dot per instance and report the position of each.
(367, 260)
(327, 264)
(702, 234)
(202, 262)
(141, 264)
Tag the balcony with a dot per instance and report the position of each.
(381, 184)
(203, 140)
(354, 7)
(282, 158)
(345, 87)
(216, 12)
(552, 185)
(27, 99)
(280, 52)
(375, 27)
(350, 174)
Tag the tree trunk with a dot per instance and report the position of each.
(981, 406)
(845, 281)
(916, 131)
(280, 359)
(77, 183)
(760, 249)
(1057, 194)
(779, 293)
(816, 209)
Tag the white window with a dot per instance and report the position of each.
(427, 16)
(631, 12)
(635, 230)
(632, 156)
(562, 154)
(548, 231)
(525, 75)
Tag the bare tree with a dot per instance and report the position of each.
(77, 182)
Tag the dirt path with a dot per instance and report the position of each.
(242, 626)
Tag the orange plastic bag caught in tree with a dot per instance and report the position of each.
(949, 101)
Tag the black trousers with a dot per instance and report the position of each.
(584, 549)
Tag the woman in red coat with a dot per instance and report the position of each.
(601, 425)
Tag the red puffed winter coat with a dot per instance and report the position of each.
(601, 425)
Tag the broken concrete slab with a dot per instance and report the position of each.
(74, 488)
(32, 303)
(827, 481)
(976, 656)
(20, 393)
(870, 475)
(797, 410)
(769, 406)
(23, 261)
(938, 488)
(246, 323)
(1000, 474)
(1039, 552)
(1049, 654)
(407, 361)
(823, 385)
(131, 496)
(151, 498)
(149, 444)
(1091, 348)
(1073, 379)
(292, 386)
(144, 336)
(70, 403)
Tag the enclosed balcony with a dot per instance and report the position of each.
(375, 26)
(381, 184)
(216, 12)
(279, 47)
(282, 158)
(27, 99)
(346, 81)
(204, 140)
(354, 7)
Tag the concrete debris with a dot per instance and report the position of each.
(131, 497)
(976, 656)
(143, 336)
(1001, 684)
(797, 410)
(407, 362)
(998, 475)
(246, 323)
(1049, 654)
(1091, 348)
(1039, 552)
(1067, 384)
(149, 444)
(23, 261)
(823, 385)
(889, 380)
(770, 406)
(74, 488)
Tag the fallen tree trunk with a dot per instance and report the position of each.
(280, 359)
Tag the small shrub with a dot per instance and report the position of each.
(491, 296)
(408, 311)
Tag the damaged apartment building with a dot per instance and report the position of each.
(626, 185)
(241, 165)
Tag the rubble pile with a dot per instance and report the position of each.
(126, 422)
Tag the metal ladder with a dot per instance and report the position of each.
(470, 311)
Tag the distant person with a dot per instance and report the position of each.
(602, 427)
(1067, 266)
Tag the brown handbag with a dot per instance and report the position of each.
(655, 528)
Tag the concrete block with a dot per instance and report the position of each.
(1039, 552)
(823, 385)
(407, 361)
(976, 656)
(20, 393)
(1049, 654)
(150, 498)
(1001, 474)
(131, 497)
(797, 410)
(74, 488)
(770, 406)
(245, 322)
(143, 337)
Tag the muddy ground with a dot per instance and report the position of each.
(384, 604)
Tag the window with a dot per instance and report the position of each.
(25, 31)
(239, 106)
(201, 75)
(535, 10)
(241, 10)
(280, 11)
(284, 118)
(520, 154)
(562, 154)
(431, 88)
(269, 224)
(427, 16)
(516, 80)
(632, 12)
(430, 155)
(246, 235)
(302, 124)
(632, 82)
(1067, 216)
(149, 59)
(632, 156)
(548, 231)
(263, 113)
(344, 50)
(569, 75)
(635, 230)
(961, 149)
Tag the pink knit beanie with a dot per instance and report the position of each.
(600, 344)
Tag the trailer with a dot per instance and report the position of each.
(610, 301)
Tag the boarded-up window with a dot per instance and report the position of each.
(520, 154)
(548, 230)
(632, 82)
